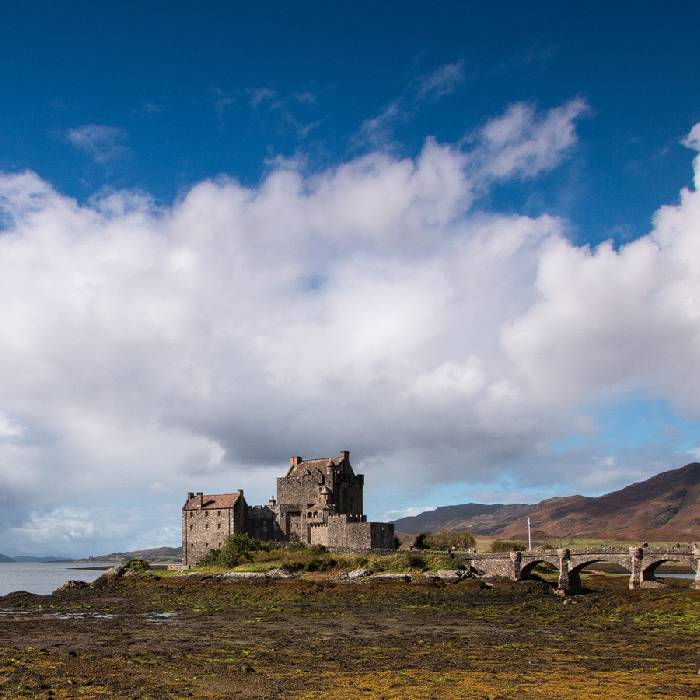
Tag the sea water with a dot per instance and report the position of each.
(46, 578)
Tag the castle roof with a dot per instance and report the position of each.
(321, 464)
(214, 501)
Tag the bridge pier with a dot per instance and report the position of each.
(569, 581)
(517, 563)
(636, 567)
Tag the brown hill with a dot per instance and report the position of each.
(664, 507)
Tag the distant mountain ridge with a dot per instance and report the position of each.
(163, 554)
(664, 507)
(155, 554)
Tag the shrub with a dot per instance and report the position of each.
(397, 543)
(320, 564)
(413, 561)
(450, 539)
(236, 548)
(507, 546)
(421, 541)
(137, 565)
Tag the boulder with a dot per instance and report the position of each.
(449, 575)
(280, 573)
(243, 576)
(110, 576)
(72, 586)
(359, 573)
(391, 577)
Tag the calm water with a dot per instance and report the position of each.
(44, 578)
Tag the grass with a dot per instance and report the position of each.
(309, 559)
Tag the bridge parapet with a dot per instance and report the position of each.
(640, 561)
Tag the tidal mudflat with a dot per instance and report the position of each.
(175, 637)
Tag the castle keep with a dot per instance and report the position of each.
(319, 501)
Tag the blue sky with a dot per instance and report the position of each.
(230, 234)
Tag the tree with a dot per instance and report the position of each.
(236, 548)
(421, 541)
(451, 539)
(507, 546)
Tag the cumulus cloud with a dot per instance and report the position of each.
(369, 306)
(101, 142)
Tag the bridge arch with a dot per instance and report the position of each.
(650, 566)
(527, 568)
(578, 564)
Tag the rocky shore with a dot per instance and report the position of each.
(143, 635)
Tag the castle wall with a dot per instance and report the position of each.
(347, 532)
(261, 523)
(301, 490)
(205, 530)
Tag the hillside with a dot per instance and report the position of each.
(664, 507)
(5, 560)
(162, 554)
(478, 518)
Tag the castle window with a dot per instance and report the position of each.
(191, 526)
(206, 513)
(218, 526)
(218, 513)
(206, 527)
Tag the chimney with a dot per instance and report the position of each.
(345, 455)
(240, 492)
(201, 499)
(272, 502)
(293, 461)
(190, 495)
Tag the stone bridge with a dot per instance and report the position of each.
(641, 562)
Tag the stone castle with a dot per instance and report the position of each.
(319, 501)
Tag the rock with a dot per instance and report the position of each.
(72, 586)
(391, 577)
(247, 669)
(280, 573)
(449, 575)
(359, 573)
(243, 576)
(111, 575)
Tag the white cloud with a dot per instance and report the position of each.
(101, 142)
(186, 346)
(407, 512)
(9, 429)
(442, 81)
(522, 143)
(60, 525)
(260, 95)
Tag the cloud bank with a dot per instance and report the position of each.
(373, 306)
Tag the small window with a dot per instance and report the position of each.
(206, 527)
(218, 526)
(218, 513)
(191, 526)
(206, 513)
